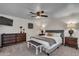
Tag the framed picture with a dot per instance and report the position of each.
(30, 25)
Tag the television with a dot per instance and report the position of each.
(6, 21)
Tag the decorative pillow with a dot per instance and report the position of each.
(53, 34)
(56, 34)
(49, 34)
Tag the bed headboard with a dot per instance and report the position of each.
(57, 31)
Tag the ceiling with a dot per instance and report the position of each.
(53, 10)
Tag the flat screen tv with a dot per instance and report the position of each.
(6, 21)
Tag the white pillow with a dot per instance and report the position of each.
(53, 34)
(56, 34)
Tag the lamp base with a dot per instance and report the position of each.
(71, 32)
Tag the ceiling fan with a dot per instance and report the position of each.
(39, 13)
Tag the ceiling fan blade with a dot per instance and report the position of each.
(32, 13)
(44, 15)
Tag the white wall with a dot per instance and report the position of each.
(55, 25)
(17, 22)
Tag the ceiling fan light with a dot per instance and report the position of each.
(37, 17)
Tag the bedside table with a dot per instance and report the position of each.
(71, 41)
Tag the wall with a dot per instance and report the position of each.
(55, 25)
(60, 25)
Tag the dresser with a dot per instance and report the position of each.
(71, 41)
(12, 38)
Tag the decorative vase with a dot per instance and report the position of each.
(21, 29)
(42, 32)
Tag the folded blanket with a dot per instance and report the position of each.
(51, 41)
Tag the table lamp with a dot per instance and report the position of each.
(71, 26)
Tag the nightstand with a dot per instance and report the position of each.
(71, 41)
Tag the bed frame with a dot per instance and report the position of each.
(56, 31)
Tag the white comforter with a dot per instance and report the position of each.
(46, 44)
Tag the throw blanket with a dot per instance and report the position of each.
(49, 40)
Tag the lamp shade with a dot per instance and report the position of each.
(71, 25)
(43, 25)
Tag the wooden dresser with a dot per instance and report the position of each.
(71, 41)
(21, 37)
(9, 39)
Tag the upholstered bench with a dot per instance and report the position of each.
(35, 44)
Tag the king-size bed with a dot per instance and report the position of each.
(50, 43)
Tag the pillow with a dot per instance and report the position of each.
(49, 34)
(56, 34)
(53, 34)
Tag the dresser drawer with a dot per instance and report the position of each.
(71, 42)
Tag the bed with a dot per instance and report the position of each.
(46, 45)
